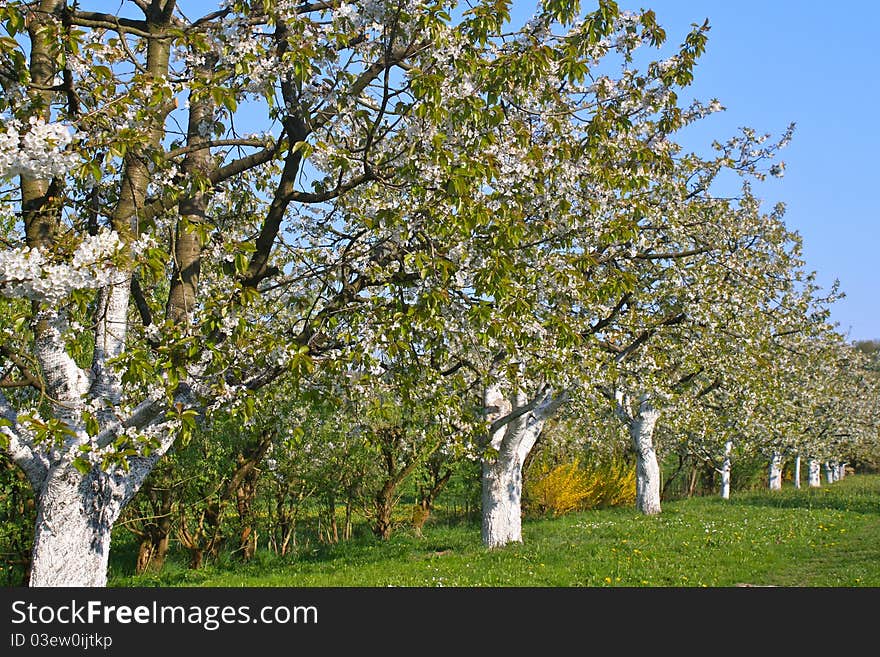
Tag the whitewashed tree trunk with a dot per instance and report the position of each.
(76, 510)
(515, 427)
(841, 471)
(725, 471)
(76, 513)
(829, 472)
(502, 502)
(814, 478)
(641, 426)
(776, 471)
(797, 471)
(75, 518)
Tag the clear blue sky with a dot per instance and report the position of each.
(817, 64)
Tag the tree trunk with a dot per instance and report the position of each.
(74, 520)
(391, 438)
(692, 484)
(152, 551)
(518, 424)
(383, 523)
(156, 535)
(797, 471)
(829, 472)
(428, 496)
(814, 479)
(76, 511)
(841, 471)
(725, 471)
(641, 432)
(775, 476)
(206, 538)
(245, 495)
(502, 501)
(284, 531)
(349, 510)
(328, 528)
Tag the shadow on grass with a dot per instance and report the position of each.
(362, 549)
(852, 501)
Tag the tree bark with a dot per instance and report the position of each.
(641, 422)
(187, 245)
(245, 495)
(797, 471)
(814, 479)
(383, 523)
(73, 527)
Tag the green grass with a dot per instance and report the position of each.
(827, 537)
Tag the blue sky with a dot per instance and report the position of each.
(816, 64)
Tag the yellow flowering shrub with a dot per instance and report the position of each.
(573, 487)
(562, 489)
(616, 481)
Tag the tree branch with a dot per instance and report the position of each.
(671, 255)
(183, 150)
(241, 165)
(30, 378)
(143, 414)
(544, 395)
(25, 455)
(111, 22)
(605, 321)
(647, 333)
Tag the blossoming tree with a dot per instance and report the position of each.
(168, 251)
(550, 254)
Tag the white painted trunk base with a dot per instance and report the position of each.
(797, 471)
(647, 467)
(814, 478)
(75, 520)
(502, 481)
(502, 503)
(72, 536)
(776, 472)
(725, 471)
(829, 472)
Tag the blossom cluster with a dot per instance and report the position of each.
(36, 149)
(28, 272)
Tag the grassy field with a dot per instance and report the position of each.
(826, 537)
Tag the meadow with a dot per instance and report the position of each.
(823, 537)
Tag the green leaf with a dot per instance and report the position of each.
(82, 465)
(92, 426)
